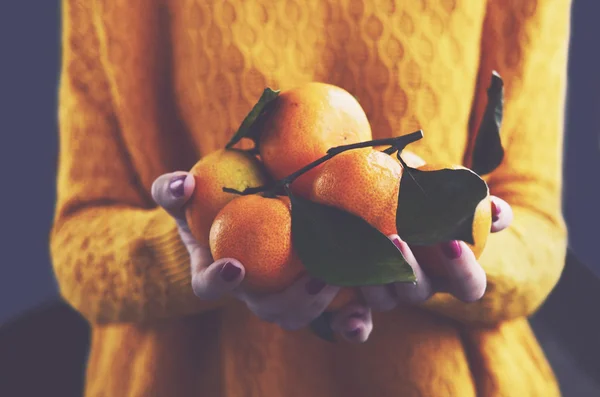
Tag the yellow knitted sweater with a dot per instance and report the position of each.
(149, 86)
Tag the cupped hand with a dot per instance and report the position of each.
(291, 309)
(466, 279)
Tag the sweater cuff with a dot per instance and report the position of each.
(172, 260)
(169, 253)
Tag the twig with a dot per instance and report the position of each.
(397, 144)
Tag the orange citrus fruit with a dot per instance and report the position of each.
(302, 123)
(257, 231)
(344, 297)
(364, 182)
(230, 168)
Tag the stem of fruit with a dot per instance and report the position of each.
(396, 144)
(391, 150)
(253, 151)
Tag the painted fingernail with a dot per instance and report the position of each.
(176, 186)
(353, 334)
(452, 249)
(314, 286)
(495, 211)
(230, 272)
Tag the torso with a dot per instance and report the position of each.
(195, 68)
(411, 65)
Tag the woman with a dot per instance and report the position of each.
(147, 87)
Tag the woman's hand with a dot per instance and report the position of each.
(291, 309)
(466, 278)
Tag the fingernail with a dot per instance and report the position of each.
(396, 242)
(452, 249)
(230, 272)
(495, 211)
(314, 286)
(353, 334)
(176, 186)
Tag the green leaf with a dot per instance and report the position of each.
(488, 152)
(247, 128)
(321, 327)
(343, 249)
(438, 206)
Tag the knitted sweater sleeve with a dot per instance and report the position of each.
(116, 257)
(527, 43)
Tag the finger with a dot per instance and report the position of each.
(502, 214)
(190, 241)
(171, 191)
(466, 278)
(419, 291)
(262, 306)
(217, 279)
(379, 297)
(306, 299)
(296, 306)
(354, 322)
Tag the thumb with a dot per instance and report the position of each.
(171, 191)
(218, 279)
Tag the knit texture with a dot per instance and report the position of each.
(149, 86)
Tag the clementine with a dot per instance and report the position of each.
(230, 168)
(257, 231)
(364, 182)
(302, 123)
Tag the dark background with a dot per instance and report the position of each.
(29, 68)
(29, 71)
